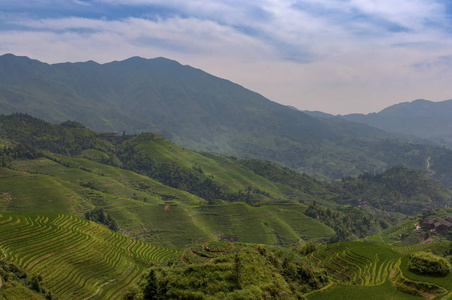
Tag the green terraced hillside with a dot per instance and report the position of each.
(369, 271)
(154, 212)
(164, 225)
(269, 224)
(76, 258)
(162, 193)
(223, 169)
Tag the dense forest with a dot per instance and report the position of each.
(397, 189)
(349, 223)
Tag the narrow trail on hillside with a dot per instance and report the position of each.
(428, 167)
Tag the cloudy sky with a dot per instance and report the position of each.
(337, 56)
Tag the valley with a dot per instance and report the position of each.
(169, 204)
(145, 179)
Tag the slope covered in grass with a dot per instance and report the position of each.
(360, 269)
(149, 210)
(76, 258)
(232, 271)
(161, 192)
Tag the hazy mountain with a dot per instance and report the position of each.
(421, 118)
(318, 114)
(196, 110)
(140, 94)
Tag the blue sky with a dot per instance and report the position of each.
(338, 56)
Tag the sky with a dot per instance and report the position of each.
(335, 56)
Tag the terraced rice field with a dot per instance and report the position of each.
(443, 246)
(357, 263)
(77, 259)
(372, 271)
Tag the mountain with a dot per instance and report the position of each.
(186, 105)
(318, 114)
(202, 112)
(157, 95)
(422, 118)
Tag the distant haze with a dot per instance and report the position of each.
(335, 56)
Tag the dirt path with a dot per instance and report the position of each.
(427, 241)
(182, 258)
(428, 166)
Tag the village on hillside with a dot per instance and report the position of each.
(441, 226)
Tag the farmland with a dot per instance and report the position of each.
(76, 258)
(361, 270)
(174, 208)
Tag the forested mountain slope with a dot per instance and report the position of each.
(155, 190)
(195, 110)
(421, 118)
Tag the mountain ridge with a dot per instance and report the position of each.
(191, 108)
(422, 118)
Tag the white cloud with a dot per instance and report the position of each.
(409, 13)
(329, 54)
(202, 37)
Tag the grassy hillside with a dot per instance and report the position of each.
(17, 283)
(76, 258)
(171, 226)
(227, 171)
(347, 270)
(166, 194)
(172, 220)
(361, 270)
(161, 212)
(232, 271)
(138, 203)
(147, 209)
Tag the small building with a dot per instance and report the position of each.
(443, 226)
(427, 223)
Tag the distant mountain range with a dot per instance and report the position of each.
(200, 111)
(421, 118)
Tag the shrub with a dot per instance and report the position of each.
(428, 264)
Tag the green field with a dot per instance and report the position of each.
(221, 168)
(268, 224)
(363, 270)
(151, 211)
(384, 291)
(77, 259)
